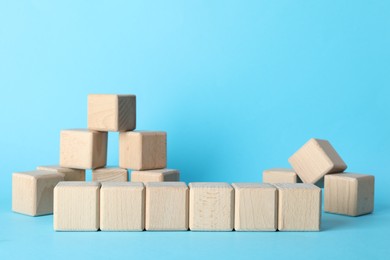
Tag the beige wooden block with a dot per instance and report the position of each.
(211, 206)
(68, 173)
(166, 206)
(109, 174)
(315, 159)
(83, 149)
(77, 206)
(299, 207)
(280, 175)
(32, 192)
(143, 150)
(349, 194)
(255, 207)
(122, 206)
(111, 112)
(155, 175)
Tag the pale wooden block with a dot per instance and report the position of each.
(349, 194)
(109, 174)
(255, 207)
(111, 112)
(77, 206)
(68, 173)
(299, 207)
(32, 192)
(280, 175)
(143, 150)
(122, 206)
(155, 175)
(83, 149)
(211, 206)
(166, 206)
(315, 159)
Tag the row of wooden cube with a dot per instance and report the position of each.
(88, 206)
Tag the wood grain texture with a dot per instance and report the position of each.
(299, 207)
(83, 149)
(77, 206)
(315, 159)
(166, 206)
(155, 175)
(108, 112)
(143, 150)
(349, 194)
(68, 173)
(211, 206)
(110, 174)
(122, 206)
(255, 207)
(280, 175)
(32, 192)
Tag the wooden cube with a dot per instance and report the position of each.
(299, 207)
(280, 175)
(155, 175)
(211, 206)
(111, 112)
(166, 206)
(77, 206)
(256, 207)
(122, 206)
(315, 159)
(68, 173)
(83, 149)
(109, 174)
(143, 150)
(349, 194)
(32, 192)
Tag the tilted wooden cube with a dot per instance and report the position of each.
(155, 175)
(349, 194)
(256, 207)
(299, 207)
(122, 206)
(315, 159)
(77, 206)
(68, 173)
(110, 174)
(83, 149)
(280, 175)
(32, 192)
(111, 112)
(143, 150)
(211, 206)
(166, 206)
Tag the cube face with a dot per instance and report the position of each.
(166, 206)
(255, 207)
(122, 206)
(111, 112)
(77, 206)
(349, 194)
(280, 175)
(143, 150)
(315, 159)
(68, 173)
(211, 206)
(155, 175)
(83, 149)
(110, 174)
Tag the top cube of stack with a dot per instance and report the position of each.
(115, 113)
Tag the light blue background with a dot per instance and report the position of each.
(238, 86)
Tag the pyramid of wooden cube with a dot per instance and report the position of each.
(211, 206)
(109, 174)
(68, 173)
(143, 150)
(77, 206)
(155, 175)
(111, 112)
(256, 207)
(122, 206)
(349, 194)
(166, 206)
(316, 159)
(299, 207)
(83, 149)
(32, 192)
(280, 175)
